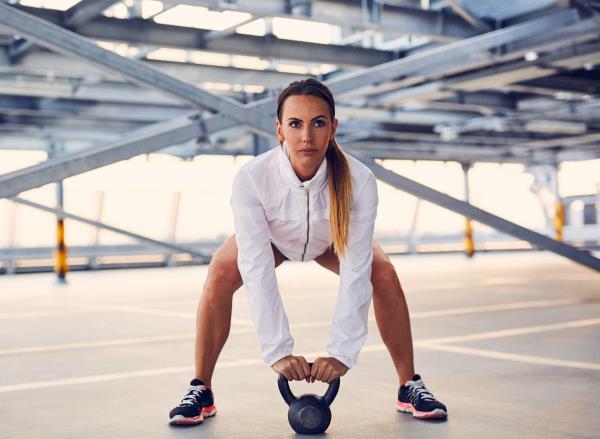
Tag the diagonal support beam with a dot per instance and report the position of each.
(467, 16)
(136, 236)
(142, 141)
(145, 140)
(86, 10)
(480, 215)
(70, 43)
(452, 54)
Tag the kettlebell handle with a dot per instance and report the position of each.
(289, 397)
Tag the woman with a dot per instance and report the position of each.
(304, 200)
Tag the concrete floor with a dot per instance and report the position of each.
(510, 342)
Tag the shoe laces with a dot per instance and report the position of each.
(193, 395)
(418, 389)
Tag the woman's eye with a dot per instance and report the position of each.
(294, 124)
(319, 123)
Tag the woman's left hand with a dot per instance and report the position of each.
(327, 369)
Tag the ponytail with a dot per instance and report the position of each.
(340, 197)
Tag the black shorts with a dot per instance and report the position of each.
(284, 256)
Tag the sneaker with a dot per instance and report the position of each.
(197, 404)
(413, 397)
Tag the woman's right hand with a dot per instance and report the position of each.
(293, 368)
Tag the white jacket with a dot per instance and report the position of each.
(271, 205)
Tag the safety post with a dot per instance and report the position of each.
(559, 208)
(469, 244)
(61, 267)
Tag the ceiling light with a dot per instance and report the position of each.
(531, 56)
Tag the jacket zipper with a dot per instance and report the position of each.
(307, 224)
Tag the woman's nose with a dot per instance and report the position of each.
(306, 136)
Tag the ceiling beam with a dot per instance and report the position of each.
(68, 68)
(85, 11)
(65, 41)
(150, 33)
(438, 25)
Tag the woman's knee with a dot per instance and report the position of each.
(223, 274)
(383, 272)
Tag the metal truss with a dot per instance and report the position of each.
(455, 205)
(438, 25)
(149, 33)
(86, 10)
(256, 115)
(68, 42)
(143, 239)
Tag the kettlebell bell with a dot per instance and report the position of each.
(308, 414)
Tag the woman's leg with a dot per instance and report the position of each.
(391, 311)
(213, 317)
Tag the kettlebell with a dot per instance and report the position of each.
(308, 414)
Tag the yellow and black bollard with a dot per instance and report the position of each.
(60, 255)
(469, 242)
(559, 207)
(559, 221)
(61, 266)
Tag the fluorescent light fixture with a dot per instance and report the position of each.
(531, 56)
(556, 126)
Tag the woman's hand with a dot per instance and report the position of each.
(293, 368)
(327, 369)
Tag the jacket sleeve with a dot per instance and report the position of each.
(350, 319)
(257, 267)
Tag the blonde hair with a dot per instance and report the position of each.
(340, 196)
(338, 169)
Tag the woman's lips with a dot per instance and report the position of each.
(307, 152)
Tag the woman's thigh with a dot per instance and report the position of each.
(330, 260)
(224, 259)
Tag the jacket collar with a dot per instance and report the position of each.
(289, 175)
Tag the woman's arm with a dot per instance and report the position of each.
(349, 323)
(257, 268)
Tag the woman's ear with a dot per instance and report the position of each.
(279, 130)
(334, 127)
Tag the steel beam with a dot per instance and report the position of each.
(559, 39)
(450, 55)
(468, 17)
(144, 239)
(44, 61)
(150, 33)
(13, 183)
(70, 43)
(438, 25)
(86, 10)
(480, 215)
(141, 141)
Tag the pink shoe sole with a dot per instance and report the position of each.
(207, 412)
(406, 407)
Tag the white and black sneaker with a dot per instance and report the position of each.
(413, 397)
(197, 404)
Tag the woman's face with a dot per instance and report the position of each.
(308, 128)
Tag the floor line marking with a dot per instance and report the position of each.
(44, 313)
(133, 374)
(321, 323)
(432, 343)
(95, 307)
(515, 331)
(498, 307)
(98, 343)
(531, 359)
(247, 322)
